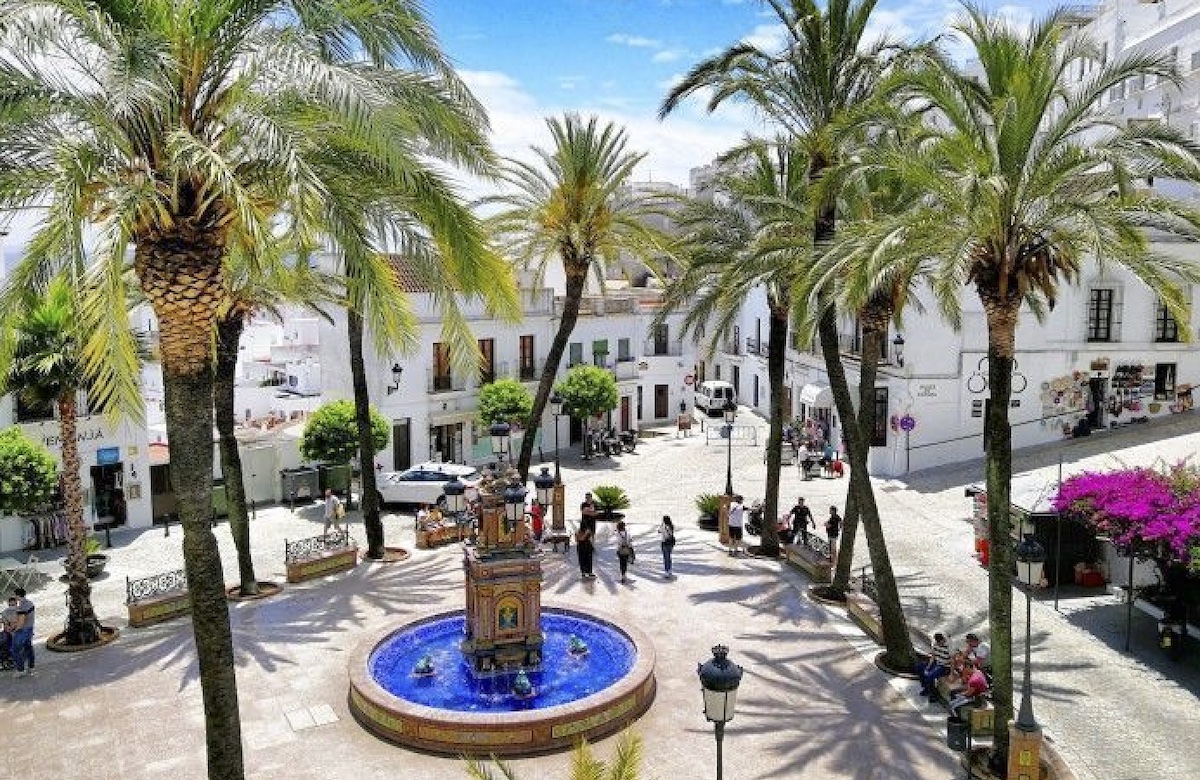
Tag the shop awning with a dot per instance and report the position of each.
(816, 395)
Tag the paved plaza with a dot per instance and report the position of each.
(811, 704)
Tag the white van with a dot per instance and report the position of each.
(711, 396)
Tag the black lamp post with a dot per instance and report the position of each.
(556, 410)
(719, 680)
(730, 415)
(898, 350)
(501, 433)
(514, 503)
(544, 484)
(1030, 557)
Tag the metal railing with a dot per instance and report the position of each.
(865, 584)
(314, 546)
(744, 434)
(652, 348)
(144, 588)
(815, 543)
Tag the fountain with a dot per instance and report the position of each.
(504, 676)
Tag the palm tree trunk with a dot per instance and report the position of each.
(369, 498)
(576, 280)
(836, 590)
(82, 626)
(776, 357)
(180, 274)
(1001, 334)
(229, 334)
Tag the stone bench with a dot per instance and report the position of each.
(319, 556)
(865, 613)
(817, 566)
(157, 598)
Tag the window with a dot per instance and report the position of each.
(574, 353)
(1164, 382)
(624, 351)
(27, 411)
(1100, 314)
(487, 361)
(1166, 330)
(441, 366)
(1175, 56)
(600, 353)
(528, 368)
(661, 335)
(879, 432)
(1196, 60)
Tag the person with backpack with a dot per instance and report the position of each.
(666, 535)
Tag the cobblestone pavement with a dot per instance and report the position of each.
(811, 705)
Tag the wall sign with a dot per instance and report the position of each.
(108, 455)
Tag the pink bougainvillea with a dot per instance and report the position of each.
(1153, 513)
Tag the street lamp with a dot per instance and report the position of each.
(898, 350)
(556, 409)
(397, 370)
(456, 496)
(719, 680)
(1030, 557)
(730, 415)
(501, 433)
(544, 484)
(514, 503)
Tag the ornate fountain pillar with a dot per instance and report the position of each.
(503, 587)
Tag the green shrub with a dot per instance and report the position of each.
(610, 499)
(709, 504)
(505, 400)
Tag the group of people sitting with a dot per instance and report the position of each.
(965, 667)
(811, 448)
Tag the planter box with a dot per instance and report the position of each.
(322, 565)
(160, 608)
(866, 613)
(816, 566)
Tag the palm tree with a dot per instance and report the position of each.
(576, 207)
(754, 232)
(626, 764)
(46, 368)
(1023, 176)
(824, 74)
(187, 130)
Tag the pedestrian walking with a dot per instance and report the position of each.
(737, 521)
(666, 536)
(801, 520)
(335, 510)
(625, 551)
(22, 632)
(833, 529)
(585, 546)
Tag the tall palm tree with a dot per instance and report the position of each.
(43, 345)
(755, 232)
(187, 129)
(824, 72)
(1023, 176)
(575, 207)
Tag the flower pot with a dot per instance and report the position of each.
(95, 565)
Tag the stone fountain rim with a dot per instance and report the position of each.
(366, 685)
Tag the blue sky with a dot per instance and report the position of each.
(529, 59)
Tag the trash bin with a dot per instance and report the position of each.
(957, 732)
(334, 476)
(300, 483)
(220, 499)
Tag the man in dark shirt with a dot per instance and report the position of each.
(585, 547)
(802, 519)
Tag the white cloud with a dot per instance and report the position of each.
(768, 37)
(684, 140)
(635, 41)
(668, 55)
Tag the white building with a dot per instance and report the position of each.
(1108, 353)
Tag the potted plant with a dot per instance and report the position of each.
(96, 560)
(610, 499)
(709, 506)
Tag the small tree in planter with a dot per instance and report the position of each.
(587, 392)
(331, 434)
(709, 506)
(505, 400)
(609, 500)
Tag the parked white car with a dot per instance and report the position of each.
(421, 484)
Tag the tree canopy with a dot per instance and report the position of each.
(505, 400)
(28, 473)
(588, 391)
(331, 434)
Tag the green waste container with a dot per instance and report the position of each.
(220, 499)
(336, 477)
(299, 484)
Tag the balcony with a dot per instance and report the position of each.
(652, 348)
(756, 347)
(444, 383)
